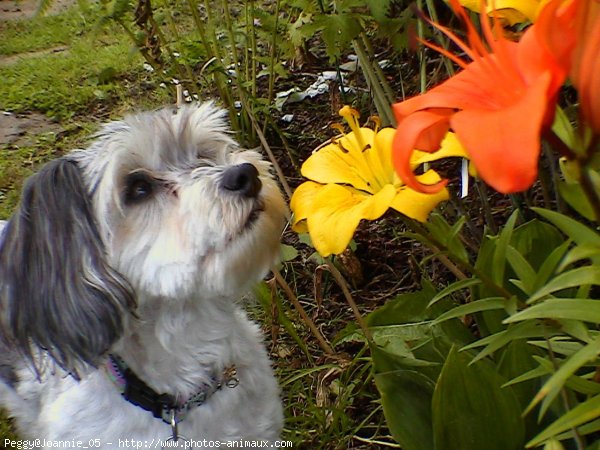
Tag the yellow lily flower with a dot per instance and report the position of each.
(510, 11)
(353, 178)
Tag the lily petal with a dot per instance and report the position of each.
(506, 156)
(407, 135)
(450, 147)
(417, 205)
(337, 211)
(512, 11)
(341, 162)
(301, 203)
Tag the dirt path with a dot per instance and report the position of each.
(23, 9)
(21, 129)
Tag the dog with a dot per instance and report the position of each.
(120, 278)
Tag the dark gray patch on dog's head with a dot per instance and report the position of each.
(57, 292)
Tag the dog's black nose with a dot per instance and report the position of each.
(242, 179)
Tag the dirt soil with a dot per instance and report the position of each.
(20, 129)
(23, 9)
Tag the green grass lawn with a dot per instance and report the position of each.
(75, 72)
(83, 66)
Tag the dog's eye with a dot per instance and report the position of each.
(140, 186)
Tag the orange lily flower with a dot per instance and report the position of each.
(585, 68)
(498, 105)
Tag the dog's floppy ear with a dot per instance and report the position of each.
(57, 292)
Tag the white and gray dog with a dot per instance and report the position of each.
(120, 275)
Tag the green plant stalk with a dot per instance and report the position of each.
(248, 34)
(437, 246)
(389, 93)
(305, 317)
(177, 38)
(273, 54)
(193, 6)
(267, 148)
(339, 278)
(293, 155)
(321, 6)
(422, 59)
(560, 206)
(246, 124)
(219, 78)
(213, 36)
(546, 180)
(382, 103)
(433, 14)
(255, 65)
(487, 210)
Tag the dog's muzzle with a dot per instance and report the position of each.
(243, 180)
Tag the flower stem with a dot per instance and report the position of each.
(307, 320)
(438, 247)
(344, 286)
(375, 83)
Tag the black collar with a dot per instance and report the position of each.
(163, 406)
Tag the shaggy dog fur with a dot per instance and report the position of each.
(141, 246)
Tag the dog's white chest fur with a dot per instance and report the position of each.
(140, 246)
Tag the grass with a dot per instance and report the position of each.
(17, 164)
(21, 36)
(89, 69)
(96, 72)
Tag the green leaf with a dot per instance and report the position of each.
(522, 330)
(582, 413)
(406, 399)
(288, 253)
(558, 345)
(571, 227)
(404, 308)
(572, 278)
(574, 195)
(393, 338)
(485, 304)
(536, 240)
(588, 428)
(448, 235)
(338, 30)
(471, 410)
(533, 374)
(299, 31)
(563, 128)
(379, 9)
(499, 258)
(550, 265)
(457, 286)
(561, 308)
(583, 251)
(522, 268)
(552, 387)
(553, 444)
